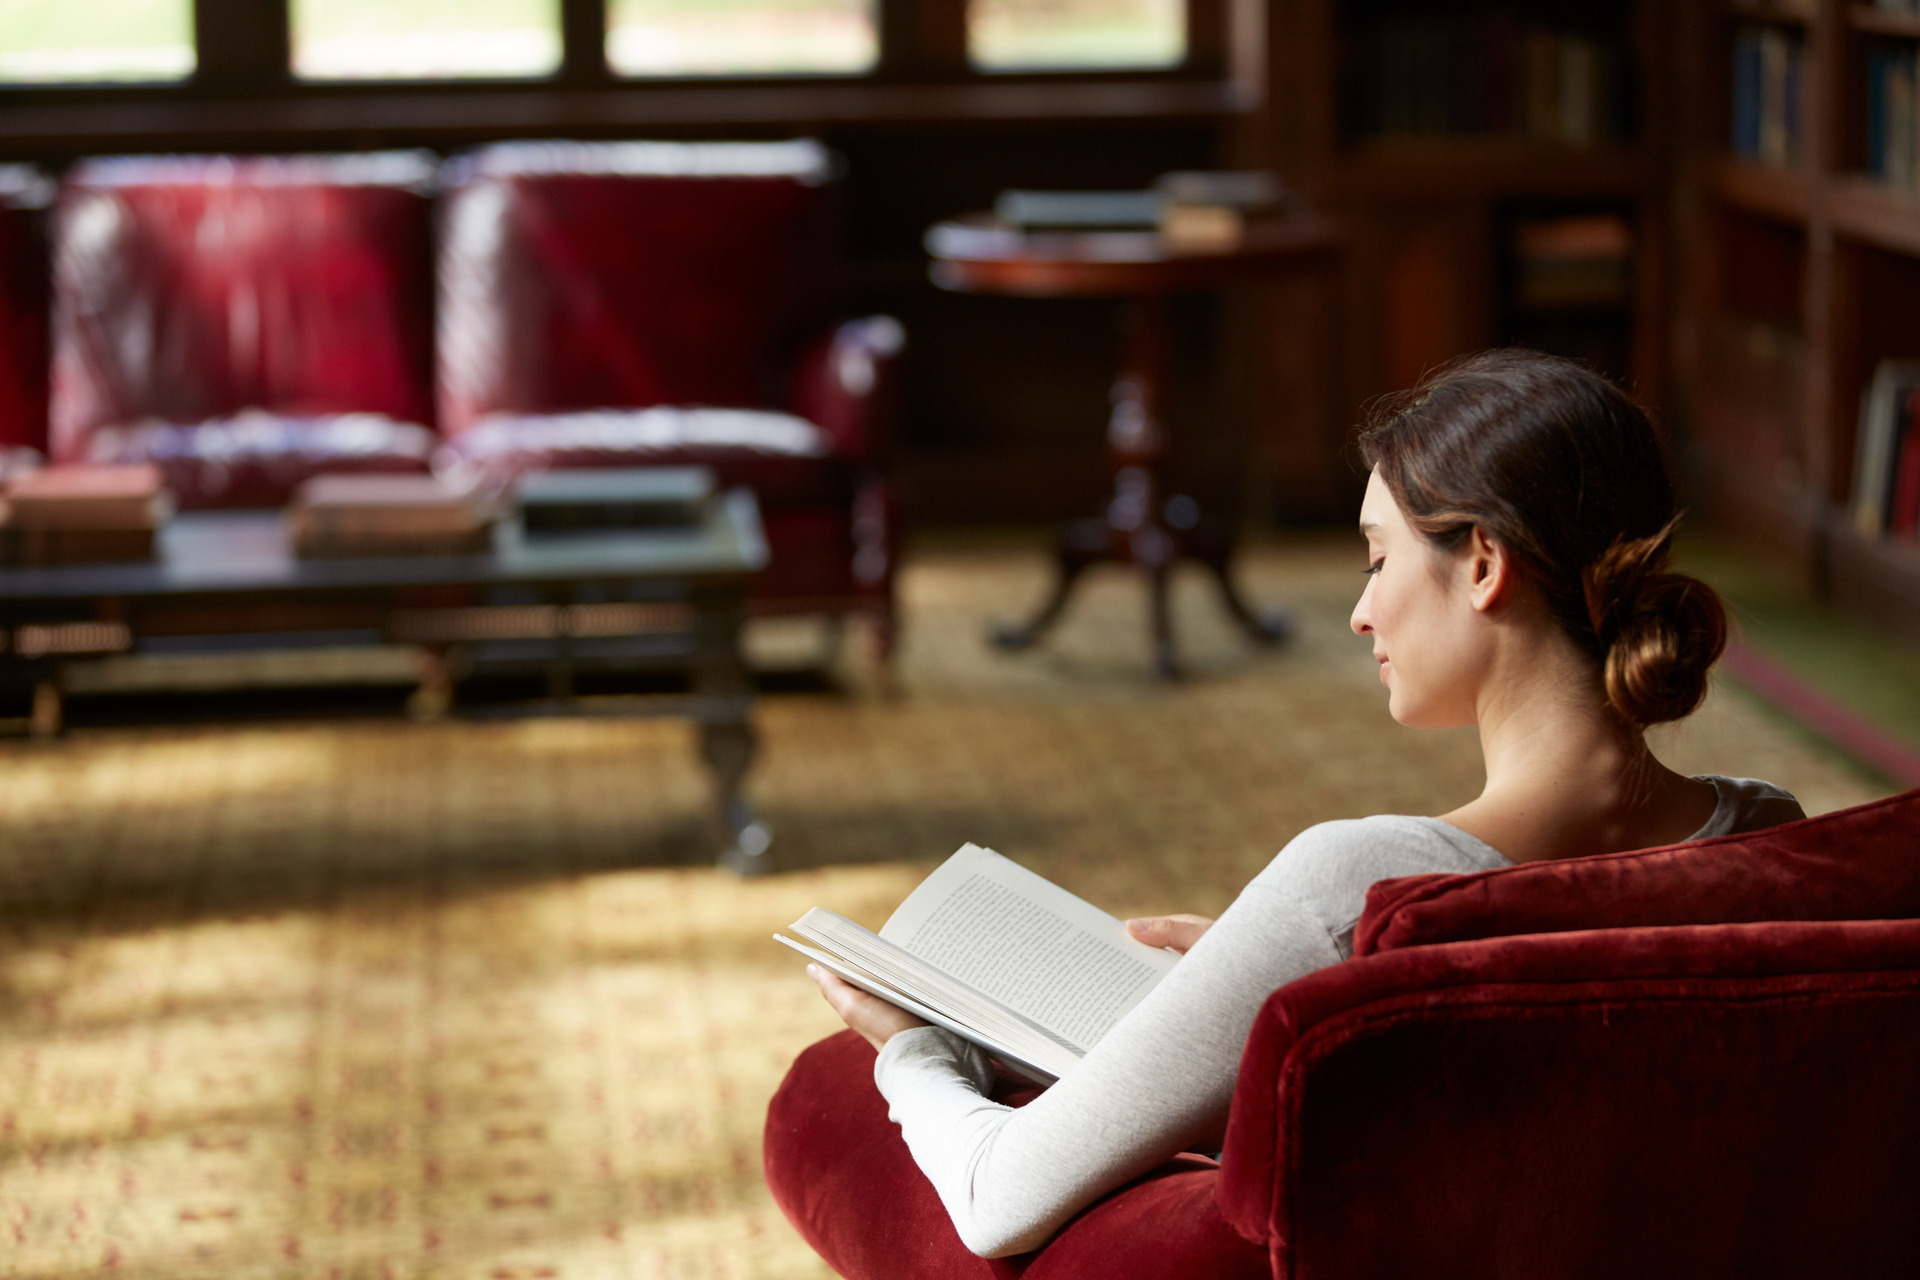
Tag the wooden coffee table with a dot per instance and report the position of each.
(658, 599)
(1144, 524)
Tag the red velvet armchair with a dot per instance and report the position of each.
(626, 304)
(1693, 1061)
(244, 322)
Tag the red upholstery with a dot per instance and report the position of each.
(580, 283)
(786, 460)
(24, 194)
(1700, 1101)
(258, 459)
(198, 289)
(1697, 1100)
(1854, 864)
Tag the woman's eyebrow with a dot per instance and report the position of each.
(1368, 526)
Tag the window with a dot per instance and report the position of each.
(424, 39)
(1076, 35)
(95, 41)
(741, 37)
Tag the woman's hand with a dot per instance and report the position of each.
(1176, 933)
(875, 1019)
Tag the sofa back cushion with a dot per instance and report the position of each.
(24, 277)
(1853, 864)
(584, 276)
(195, 288)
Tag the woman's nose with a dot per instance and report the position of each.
(1362, 622)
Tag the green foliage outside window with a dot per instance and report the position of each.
(95, 41)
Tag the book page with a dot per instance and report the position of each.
(1028, 943)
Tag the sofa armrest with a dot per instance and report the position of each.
(843, 384)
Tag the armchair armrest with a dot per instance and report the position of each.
(843, 385)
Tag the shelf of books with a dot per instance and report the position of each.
(1805, 373)
(1493, 160)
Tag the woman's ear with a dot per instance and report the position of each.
(1490, 571)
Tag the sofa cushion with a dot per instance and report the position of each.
(189, 288)
(1853, 864)
(785, 460)
(257, 459)
(579, 275)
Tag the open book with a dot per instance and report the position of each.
(999, 955)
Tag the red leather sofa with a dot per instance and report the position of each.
(621, 304)
(247, 322)
(1692, 1061)
(244, 322)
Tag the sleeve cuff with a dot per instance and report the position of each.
(932, 1048)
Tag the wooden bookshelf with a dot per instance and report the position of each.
(1785, 194)
(1798, 281)
(1431, 193)
(1798, 12)
(1885, 22)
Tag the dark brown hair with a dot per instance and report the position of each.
(1564, 470)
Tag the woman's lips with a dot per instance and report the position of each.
(1383, 667)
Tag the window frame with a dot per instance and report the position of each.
(243, 56)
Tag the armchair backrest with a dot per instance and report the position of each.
(24, 194)
(580, 276)
(1861, 863)
(191, 288)
(1698, 1101)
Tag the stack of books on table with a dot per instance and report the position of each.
(372, 515)
(82, 515)
(595, 502)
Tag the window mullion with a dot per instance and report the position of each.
(583, 43)
(923, 39)
(241, 45)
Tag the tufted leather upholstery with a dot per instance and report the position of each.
(193, 290)
(628, 304)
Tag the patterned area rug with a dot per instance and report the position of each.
(370, 998)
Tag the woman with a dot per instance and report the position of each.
(1518, 521)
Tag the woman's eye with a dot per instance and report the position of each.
(1374, 568)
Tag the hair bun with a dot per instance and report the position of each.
(1659, 632)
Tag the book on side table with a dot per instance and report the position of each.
(998, 955)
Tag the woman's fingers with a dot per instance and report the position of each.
(875, 1019)
(1177, 932)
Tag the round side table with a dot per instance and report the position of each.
(1144, 525)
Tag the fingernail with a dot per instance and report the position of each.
(813, 971)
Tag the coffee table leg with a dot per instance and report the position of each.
(433, 698)
(728, 740)
(48, 718)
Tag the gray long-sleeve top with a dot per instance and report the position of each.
(1160, 1081)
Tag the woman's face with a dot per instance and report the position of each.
(1428, 638)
